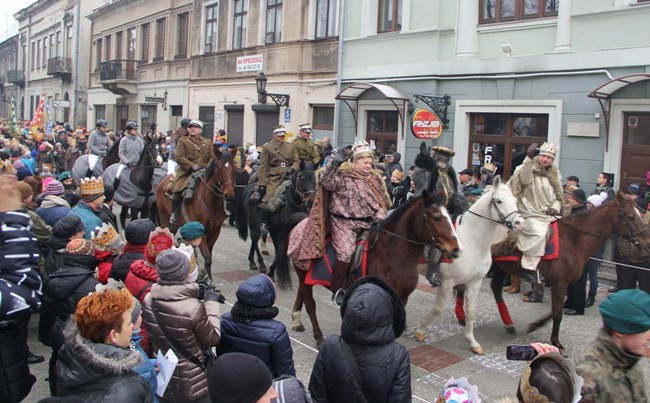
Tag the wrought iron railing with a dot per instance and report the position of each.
(118, 70)
(57, 66)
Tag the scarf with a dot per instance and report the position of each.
(129, 247)
(243, 313)
(54, 201)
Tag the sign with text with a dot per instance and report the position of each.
(287, 115)
(425, 124)
(250, 63)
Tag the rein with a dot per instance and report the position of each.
(378, 228)
(503, 219)
(217, 192)
(631, 236)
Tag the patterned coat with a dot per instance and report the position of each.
(307, 150)
(275, 159)
(190, 151)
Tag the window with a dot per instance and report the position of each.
(382, 128)
(44, 60)
(507, 136)
(211, 28)
(98, 54)
(118, 45)
(52, 54)
(160, 40)
(390, 16)
(323, 118)
(325, 18)
(181, 42)
(68, 43)
(100, 112)
(144, 57)
(107, 45)
(148, 117)
(493, 11)
(177, 110)
(131, 45)
(239, 32)
(273, 21)
(58, 43)
(121, 116)
(38, 56)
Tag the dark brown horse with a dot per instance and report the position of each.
(395, 246)
(207, 206)
(580, 236)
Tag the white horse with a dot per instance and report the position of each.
(486, 223)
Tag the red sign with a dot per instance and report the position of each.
(426, 125)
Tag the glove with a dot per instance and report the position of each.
(341, 157)
(195, 167)
(532, 150)
(214, 295)
(261, 190)
(552, 211)
(290, 171)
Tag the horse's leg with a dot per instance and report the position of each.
(471, 296)
(459, 309)
(307, 294)
(558, 291)
(498, 275)
(443, 295)
(123, 212)
(296, 321)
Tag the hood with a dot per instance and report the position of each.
(65, 280)
(83, 362)
(258, 291)
(372, 313)
(57, 243)
(142, 271)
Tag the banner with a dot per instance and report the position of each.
(36, 129)
(14, 122)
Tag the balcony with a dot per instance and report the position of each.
(119, 76)
(60, 67)
(16, 77)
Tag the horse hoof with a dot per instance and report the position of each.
(511, 329)
(478, 350)
(319, 343)
(461, 322)
(253, 267)
(298, 328)
(419, 336)
(265, 252)
(263, 269)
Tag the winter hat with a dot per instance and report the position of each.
(595, 200)
(579, 195)
(159, 240)
(137, 231)
(459, 391)
(633, 189)
(25, 190)
(238, 378)
(54, 188)
(23, 172)
(290, 390)
(137, 308)
(106, 238)
(192, 230)
(80, 246)
(45, 172)
(173, 267)
(67, 226)
(18, 164)
(627, 311)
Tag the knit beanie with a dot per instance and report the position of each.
(137, 308)
(80, 246)
(18, 164)
(159, 240)
(23, 172)
(67, 226)
(238, 378)
(54, 188)
(24, 189)
(173, 267)
(137, 231)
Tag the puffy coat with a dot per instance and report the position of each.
(98, 372)
(373, 317)
(122, 263)
(139, 281)
(105, 264)
(193, 324)
(267, 339)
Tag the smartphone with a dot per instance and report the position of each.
(520, 353)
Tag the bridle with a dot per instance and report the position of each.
(377, 227)
(504, 219)
(631, 236)
(216, 189)
(298, 189)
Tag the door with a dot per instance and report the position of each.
(635, 161)
(266, 121)
(235, 127)
(382, 129)
(206, 115)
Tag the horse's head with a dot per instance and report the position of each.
(630, 226)
(151, 154)
(503, 205)
(304, 182)
(219, 174)
(438, 227)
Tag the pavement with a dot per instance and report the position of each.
(445, 352)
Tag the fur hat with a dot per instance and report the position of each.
(173, 267)
(54, 188)
(446, 151)
(80, 246)
(238, 378)
(549, 149)
(159, 240)
(579, 195)
(137, 231)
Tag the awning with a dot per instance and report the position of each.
(352, 93)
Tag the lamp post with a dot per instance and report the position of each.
(279, 99)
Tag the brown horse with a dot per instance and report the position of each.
(580, 236)
(207, 206)
(395, 246)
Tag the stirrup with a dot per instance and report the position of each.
(338, 296)
(173, 219)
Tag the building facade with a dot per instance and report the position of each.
(515, 72)
(8, 69)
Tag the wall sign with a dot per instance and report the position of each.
(426, 125)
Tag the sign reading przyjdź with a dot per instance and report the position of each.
(250, 63)
(426, 125)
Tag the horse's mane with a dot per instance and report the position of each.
(148, 143)
(397, 214)
(209, 170)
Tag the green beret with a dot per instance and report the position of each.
(476, 192)
(192, 230)
(627, 311)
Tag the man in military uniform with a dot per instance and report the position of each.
(193, 153)
(278, 159)
(611, 366)
(178, 134)
(306, 149)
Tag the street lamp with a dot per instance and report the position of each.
(279, 99)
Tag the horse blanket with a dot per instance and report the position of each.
(127, 194)
(320, 270)
(551, 251)
(81, 165)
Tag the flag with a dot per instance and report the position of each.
(50, 125)
(14, 122)
(37, 122)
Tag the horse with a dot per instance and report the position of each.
(580, 235)
(487, 222)
(134, 188)
(394, 248)
(299, 197)
(207, 206)
(112, 155)
(81, 168)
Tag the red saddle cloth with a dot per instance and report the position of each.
(551, 251)
(320, 270)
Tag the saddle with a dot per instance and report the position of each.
(188, 193)
(320, 270)
(507, 251)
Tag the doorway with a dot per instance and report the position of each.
(635, 154)
(381, 130)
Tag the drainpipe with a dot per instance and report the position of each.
(339, 66)
(75, 81)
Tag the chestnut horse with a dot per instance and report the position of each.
(395, 246)
(207, 206)
(581, 235)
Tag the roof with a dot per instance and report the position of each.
(354, 91)
(606, 90)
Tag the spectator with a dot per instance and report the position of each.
(373, 317)
(250, 327)
(576, 298)
(604, 187)
(108, 245)
(174, 307)
(572, 181)
(240, 378)
(147, 369)
(594, 265)
(92, 199)
(96, 363)
(137, 235)
(611, 365)
(105, 212)
(191, 234)
(54, 206)
(628, 277)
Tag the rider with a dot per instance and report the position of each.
(306, 149)
(488, 172)
(131, 145)
(193, 153)
(278, 160)
(536, 185)
(178, 134)
(98, 143)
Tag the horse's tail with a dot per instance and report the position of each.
(242, 217)
(539, 323)
(281, 259)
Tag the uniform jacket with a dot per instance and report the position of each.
(191, 323)
(275, 159)
(98, 143)
(190, 151)
(52, 209)
(306, 150)
(130, 149)
(610, 374)
(88, 217)
(99, 372)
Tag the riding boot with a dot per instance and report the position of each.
(515, 286)
(339, 280)
(176, 205)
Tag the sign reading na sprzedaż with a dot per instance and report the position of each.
(426, 125)
(250, 63)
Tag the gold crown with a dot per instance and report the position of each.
(92, 186)
(549, 149)
(105, 236)
(361, 149)
(490, 167)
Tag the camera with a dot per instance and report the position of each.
(208, 286)
(521, 352)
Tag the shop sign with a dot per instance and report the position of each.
(426, 125)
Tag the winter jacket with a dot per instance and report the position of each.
(105, 213)
(53, 262)
(139, 281)
(122, 263)
(98, 372)
(267, 339)
(147, 369)
(98, 143)
(88, 217)
(193, 324)
(104, 265)
(373, 317)
(52, 209)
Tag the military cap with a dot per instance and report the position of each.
(192, 230)
(627, 311)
